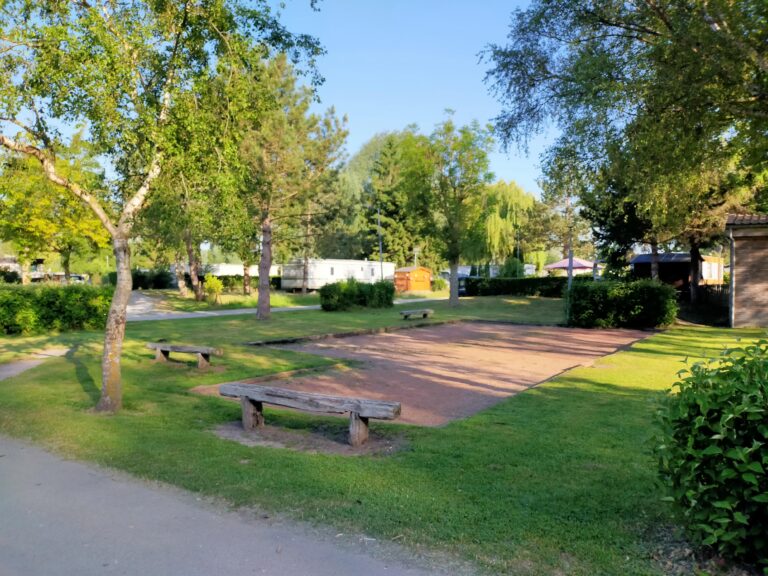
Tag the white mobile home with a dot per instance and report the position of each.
(322, 272)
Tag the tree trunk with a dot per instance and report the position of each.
(25, 279)
(179, 272)
(194, 268)
(111, 386)
(265, 263)
(453, 299)
(66, 256)
(305, 271)
(654, 260)
(695, 271)
(247, 278)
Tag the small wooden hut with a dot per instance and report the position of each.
(413, 279)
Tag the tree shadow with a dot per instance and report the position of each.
(84, 378)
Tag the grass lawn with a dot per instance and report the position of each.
(558, 479)
(171, 300)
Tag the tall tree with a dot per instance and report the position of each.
(460, 174)
(117, 67)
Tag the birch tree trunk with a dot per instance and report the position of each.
(246, 278)
(265, 263)
(66, 257)
(695, 271)
(453, 299)
(111, 390)
(179, 272)
(194, 268)
(654, 260)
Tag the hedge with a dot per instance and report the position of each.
(36, 309)
(550, 286)
(158, 279)
(713, 452)
(606, 304)
(350, 293)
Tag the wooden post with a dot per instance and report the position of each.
(162, 355)
(203, 360)
(358, 429)
(253, 413)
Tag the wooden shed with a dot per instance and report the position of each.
(748, 234)
(413, 279)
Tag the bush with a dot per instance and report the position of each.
(158, 279)
(713, 452)
(35, 309)
(606, 304)
(549, 287)
(9, 276)
(213, 288)
(439, 284)
(350, 293)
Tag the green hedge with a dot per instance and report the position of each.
(350, 293)
(606, 303)
(35, 309)
(550, 286)
(158, 279)
(713, 452)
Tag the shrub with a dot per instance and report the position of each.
(349, 293)
(213, 288)
(605, 304)
(34, 309)
(713, 452)
(439, 284)
(549, 287)
(9, 276)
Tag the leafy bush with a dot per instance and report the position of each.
(439, 284)
(713, 452)
(349, 293)
(158, 279)
(34, 309)
(549, 287)
(213, 288)
(604, 304)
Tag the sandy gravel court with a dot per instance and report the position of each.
(451, 371)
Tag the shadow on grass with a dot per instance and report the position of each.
(82, 374)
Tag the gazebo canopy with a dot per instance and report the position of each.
(578, 264)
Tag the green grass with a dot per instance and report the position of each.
(556, 480)
(171, 300)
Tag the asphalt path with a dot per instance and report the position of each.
(64, 517)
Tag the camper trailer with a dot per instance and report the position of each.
(322, 272)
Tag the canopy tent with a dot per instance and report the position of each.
(579, 265)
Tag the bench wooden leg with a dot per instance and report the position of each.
(203, 360)
(253, 413)
(162, 355)
(358, 429)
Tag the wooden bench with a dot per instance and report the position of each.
(424, 313)
(204, 353)
(252, 399)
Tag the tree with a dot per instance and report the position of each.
(37, 217)
(116, 67)
(460, 173)
(282, 157)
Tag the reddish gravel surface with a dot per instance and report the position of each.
(452, 371)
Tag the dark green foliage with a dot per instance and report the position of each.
(350, 293)
(605, 304)
(158, 279)
(276, 282)
(713, 452)
(9, 276)
(439, 284)
(551, 287)
(34, 309)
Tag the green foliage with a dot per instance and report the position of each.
(213, 288)
(350, 293)
(512, 268)
(550, 287)
(9, 276)
(713, 452)
(604, 304)
(439, 284)
(158, 279)
(35, 309)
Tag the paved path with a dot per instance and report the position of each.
(16, 367)
(64, 517)
(142, 308)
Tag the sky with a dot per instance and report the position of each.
(398, 62)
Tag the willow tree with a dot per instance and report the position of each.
(116, 67)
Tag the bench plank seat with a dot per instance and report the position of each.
(253, 397)
(204, 353)
(423, 312)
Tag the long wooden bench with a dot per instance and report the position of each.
(423, 312)
(253, 398)
(204, 353)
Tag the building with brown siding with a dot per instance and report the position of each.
(748, 235)
(413, 279)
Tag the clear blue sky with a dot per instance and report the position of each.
(398, 62)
